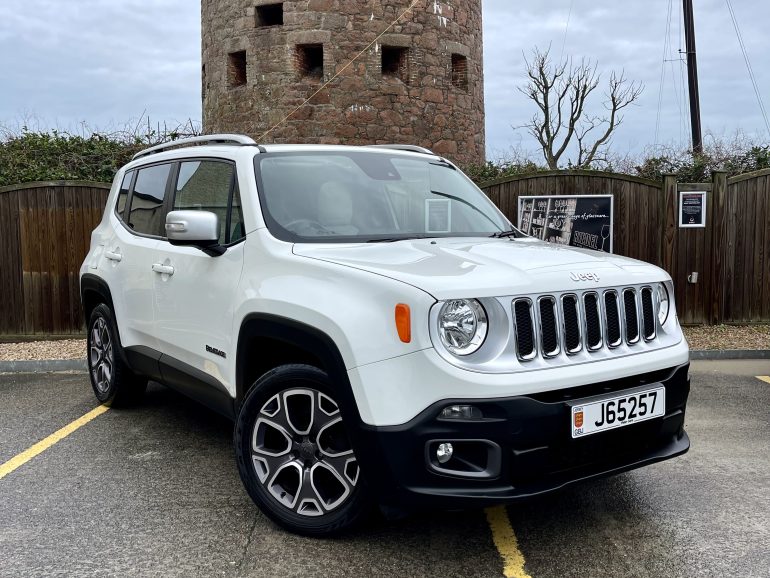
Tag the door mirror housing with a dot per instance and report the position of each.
(195, 228)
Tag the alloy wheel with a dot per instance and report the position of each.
(101, 355)
(301, 453)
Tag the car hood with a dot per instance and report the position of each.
(474, 267)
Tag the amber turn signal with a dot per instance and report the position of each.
(404, 322)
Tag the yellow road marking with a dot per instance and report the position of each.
(506, 543)
(22, 458)
(764, 378)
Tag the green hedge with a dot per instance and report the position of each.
(48, 156)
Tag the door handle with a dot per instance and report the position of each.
(114, 255)
(163, 269)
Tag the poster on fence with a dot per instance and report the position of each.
(692, 210)
(573, 220)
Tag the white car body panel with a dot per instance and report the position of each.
(349, 293)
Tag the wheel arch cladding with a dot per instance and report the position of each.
(94, 291)
(269, 341)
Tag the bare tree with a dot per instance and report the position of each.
(561, 92)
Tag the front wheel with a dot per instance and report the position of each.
(294, 454)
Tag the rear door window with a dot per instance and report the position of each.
(146, 213)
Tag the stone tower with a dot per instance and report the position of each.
(420, 83)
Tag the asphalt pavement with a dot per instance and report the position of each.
(154, 491)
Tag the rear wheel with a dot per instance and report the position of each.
(294, 454)
(112, 380)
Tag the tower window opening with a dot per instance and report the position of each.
(236, 69)
(395, 62)
(460, 71)
(269, 15)
(310, 60)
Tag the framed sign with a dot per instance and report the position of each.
(574, 220)
(692, 210)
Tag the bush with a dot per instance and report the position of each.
(27, 156)
(737, 156)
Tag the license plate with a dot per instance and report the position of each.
(616, 412)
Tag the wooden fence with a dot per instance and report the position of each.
(45, 231)
(731, 254)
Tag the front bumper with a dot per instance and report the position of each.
(535, 451)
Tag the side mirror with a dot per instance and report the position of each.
(195, 228)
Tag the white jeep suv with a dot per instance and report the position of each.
(379, 332)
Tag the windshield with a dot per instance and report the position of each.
(361, 196)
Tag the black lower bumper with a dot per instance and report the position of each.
(525, 442)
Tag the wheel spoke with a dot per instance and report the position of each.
(299, 406)
(332, 440)
(330, 486)
(285, 483)
(309, 503)
(270, 438)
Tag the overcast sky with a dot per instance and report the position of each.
(104, 62)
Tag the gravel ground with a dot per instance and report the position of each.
(40, 350)
(719, 337)
(729, 337)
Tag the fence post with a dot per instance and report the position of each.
(718, 223)
(667, 250)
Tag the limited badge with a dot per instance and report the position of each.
(579, 419)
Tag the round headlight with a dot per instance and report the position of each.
(462, 325)
(663, 303)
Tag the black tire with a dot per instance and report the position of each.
(113, 382)
(324, 513)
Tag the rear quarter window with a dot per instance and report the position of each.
(125, 186)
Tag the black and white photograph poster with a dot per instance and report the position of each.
(575, 220)
(692, 210)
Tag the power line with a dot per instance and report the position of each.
(341, 70)
(663, 70)
(748, 63)
(566, 30)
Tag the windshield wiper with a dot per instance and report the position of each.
(396, 239)
(514, 233)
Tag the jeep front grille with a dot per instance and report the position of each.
(547, 325)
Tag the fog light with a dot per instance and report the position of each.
(444, 452)
(461, 412)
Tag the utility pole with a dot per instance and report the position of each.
(692, 77)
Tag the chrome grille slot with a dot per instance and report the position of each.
(524, 329)
(594, 336)
(648, 314)
(577, 326)
(631, 316)
(573, 341)
(549, 327)
(612, 319)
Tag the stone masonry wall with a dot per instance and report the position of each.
(430, 91)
